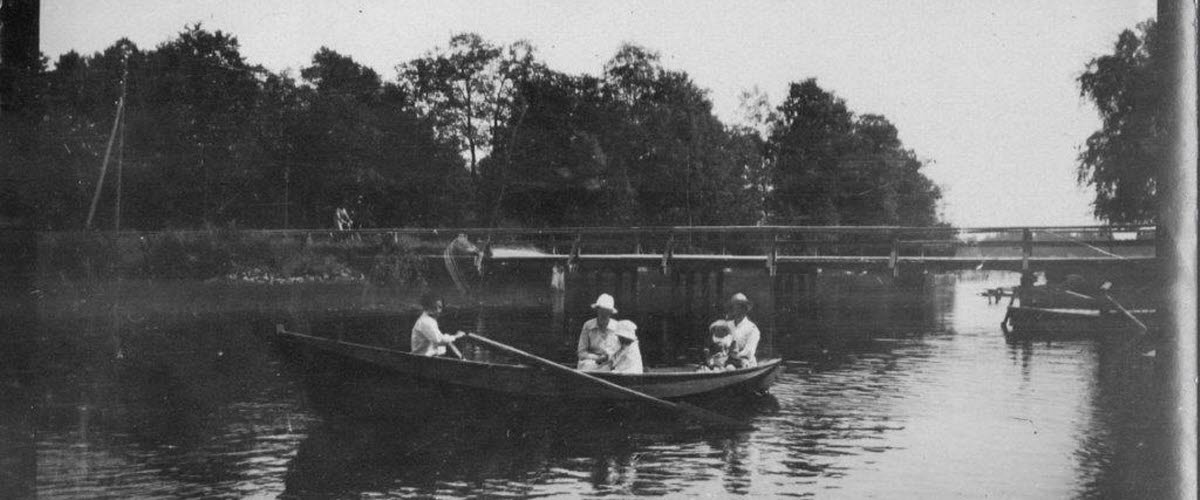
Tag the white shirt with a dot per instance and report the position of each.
(628, 359)
(745, 337)
(427, 339)
(593, 338)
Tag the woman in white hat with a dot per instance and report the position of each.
(598, 340)
(745, 332)
(628, 358)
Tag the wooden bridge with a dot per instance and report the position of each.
(800, 248)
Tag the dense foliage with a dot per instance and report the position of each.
(469, 134)
(1121, 159)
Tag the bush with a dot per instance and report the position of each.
(398, 263)
(81, 255)
(236, 255)
(182, 255)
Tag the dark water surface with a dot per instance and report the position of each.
(887, 394)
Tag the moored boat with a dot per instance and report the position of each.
(341, 375)
(1025, 322)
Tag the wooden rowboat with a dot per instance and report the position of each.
(1024, 322)
(378, 374)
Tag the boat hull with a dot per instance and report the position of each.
(342, 376)
(1065, 323)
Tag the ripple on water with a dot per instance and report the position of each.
(910, 396)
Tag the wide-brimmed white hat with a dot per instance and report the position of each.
(626, 329)
(605, 301)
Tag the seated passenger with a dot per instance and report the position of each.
(720, 347)
(598, 340)
(628, 358)
(745, 332)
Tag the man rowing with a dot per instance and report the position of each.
(427, 338)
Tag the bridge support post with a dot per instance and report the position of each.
(1027, 278)
(573, 258)
(1026, 249)
(668, 253)
(894, 259)
(772, 265)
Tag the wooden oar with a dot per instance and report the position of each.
(693, 411)
(454, 349)
(1138, 322)
(1141, 326)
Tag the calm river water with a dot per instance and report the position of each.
(886, 394)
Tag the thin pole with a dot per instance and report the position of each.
(120, 168)
(104, 166)
(287, 194)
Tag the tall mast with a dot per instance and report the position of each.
(120, 149)
(112, 136)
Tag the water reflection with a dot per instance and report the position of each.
(513, 454)
(187, 407)
(886, 393)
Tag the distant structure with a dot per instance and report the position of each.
(19, 49)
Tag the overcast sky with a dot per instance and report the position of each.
(985, 91)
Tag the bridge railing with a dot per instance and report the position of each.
(762, 240)
(782, 240)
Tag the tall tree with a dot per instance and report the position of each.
(357, 146)
(830, 167)
(639, 145)
(810, 135)
(551, 168)
(456, 86)
(192, 117)
(1120, 159)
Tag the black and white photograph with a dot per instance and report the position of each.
(579, 249)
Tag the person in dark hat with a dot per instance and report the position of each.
(745, 332)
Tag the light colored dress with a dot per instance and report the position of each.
(719, 351)
(628, 359)
(745, 337)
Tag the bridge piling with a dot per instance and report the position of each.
(1027, 276)
(893, 260)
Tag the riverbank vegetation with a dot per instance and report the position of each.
(234, 256)
(470, 134)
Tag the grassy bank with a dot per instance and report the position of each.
(231, 255)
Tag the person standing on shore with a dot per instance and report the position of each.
(427, 337)
(745, 332)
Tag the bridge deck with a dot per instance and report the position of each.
(953, 262)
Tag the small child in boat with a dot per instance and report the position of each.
(628, 358)
(721, 344)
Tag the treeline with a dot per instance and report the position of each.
(470, 134)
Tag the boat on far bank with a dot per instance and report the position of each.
(347, 377)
